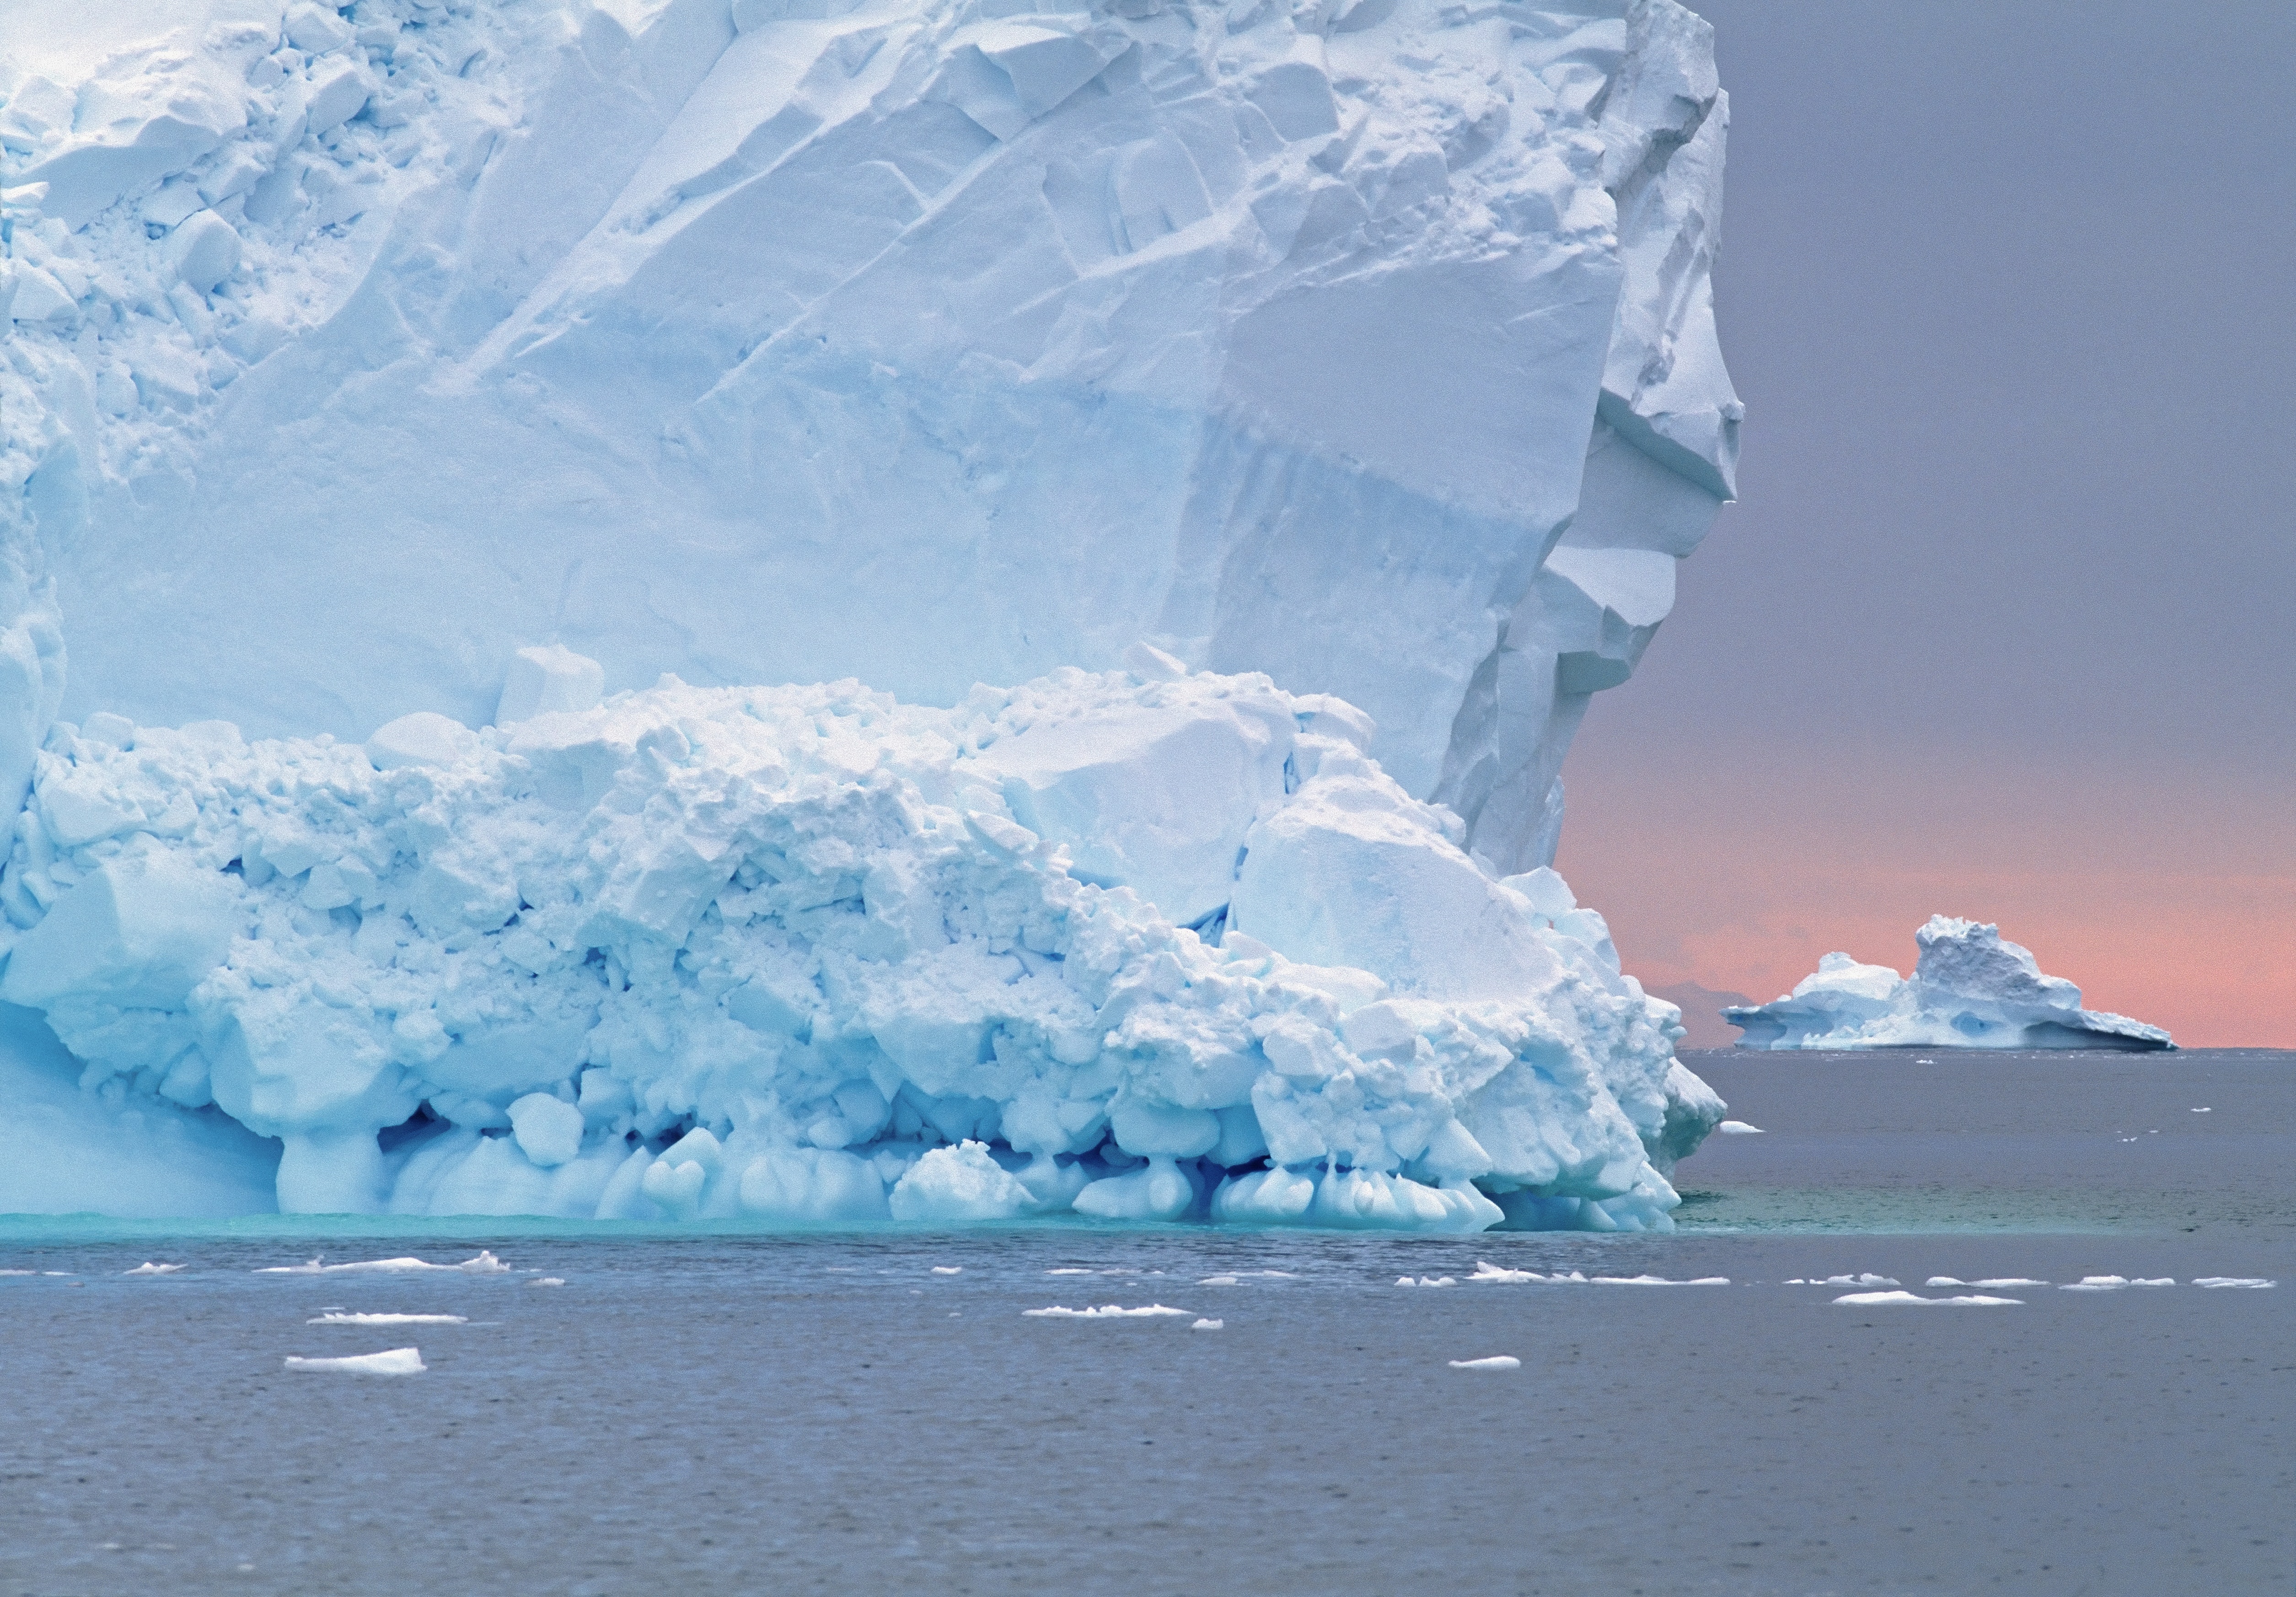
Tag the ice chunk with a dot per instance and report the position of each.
(1971, 989)
(398, 1360)
(1659, 1281)
(343, 1317)
(2249, 1281)
(205, 251)
(424, 738)
(138, 933)
(1880, 1299)
(148, 1268)
(1501, 1361)
(1738, 1128)
(1209, 1325)
(483, 1263)
(549, 679)
(549, 1132)
(954, 1185)
(1103, 1312)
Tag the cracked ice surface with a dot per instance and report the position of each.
(790, 954)
(1368, 344)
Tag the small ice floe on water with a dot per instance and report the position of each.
(148, 1268)
(1504, 1362)
(1738, 1128)
(19, 1272)
(1219, 1281)
(1237, 1278)
(2158, 1280)
(1106, 1311)
(948, 1270)
(1210, 1325)
(339, 1317)
(548, 1280)
(1659, 1281)
(1866, 1280)
(1486, 1270)
(2233, 1280)
(1071, 1270)
(1867, 1300)
(2203, 1109)
(1992, 1283)
(2096, 1283)
(1427, 1280)
(398, 1360)
(484, 1264)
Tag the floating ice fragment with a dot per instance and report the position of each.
(2160, 1280)
(1991, 1282)
(1107, 1311)
(2203, 1110)
(1426, 1281)
(548, 1280)
(484, 1264)
(1659, 1281)
(1866, 1280)
(1877, 1299)
(1502, 1362)
(1738, 1128)
(948, 1270)
(1209, 1325)
(397, 1361)
(1072, 1269)
(1485, 1272)
(19, 1272)
(149, 1268)
(346, 1318)
(1227, 1281)
(2096, 1283)
(2233, 1280)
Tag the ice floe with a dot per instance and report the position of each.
(397, 1361)
(1882, 1299)
(148, 1268)
(2233, 1280)
(1103, 1312)
(340, 1317)
(1209, 1325)
(483, 1263)
(1738, 1128)
(1502, 1362)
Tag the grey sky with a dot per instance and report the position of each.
(2009, 290)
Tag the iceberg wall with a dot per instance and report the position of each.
(1366, 343)
(1289, 358)
(1971, 989)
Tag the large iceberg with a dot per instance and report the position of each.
(1970, 989)
(1211, 370)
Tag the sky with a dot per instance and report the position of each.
(2004, 622)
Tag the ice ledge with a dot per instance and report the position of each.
(809, 956)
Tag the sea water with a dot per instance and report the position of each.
(621, 1411)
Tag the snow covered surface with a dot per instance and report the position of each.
(1971, 989)
(1336, 385)
(789, 955)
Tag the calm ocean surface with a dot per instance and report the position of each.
(750, 1413)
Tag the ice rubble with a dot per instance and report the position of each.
(1970, 990)
(790, 954)
(1367, 343)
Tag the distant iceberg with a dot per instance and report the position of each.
(1971, 990)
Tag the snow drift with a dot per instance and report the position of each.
(1970, 989)
(1357, 353)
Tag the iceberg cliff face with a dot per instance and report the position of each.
(1971, 990)
(1367, 343)
(1353, 353)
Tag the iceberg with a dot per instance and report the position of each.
(1970, 989)
(1307, 407)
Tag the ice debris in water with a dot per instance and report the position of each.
(792, 954)
(2097, 1283)
(1971, 989)
(1868, 1279)
(483, 1263)
(397, 1361)
(340, 1317)
(1103, 1312)
(1738, 1128)
(548, 1280)
(1993, 1283)
(1659, 1281)
(1502, 1362)
(948, 1270)
(148, 1268)
(1426, 1281)
(2233, 1280)
(1209, 1325)
(1879, 1299)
